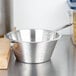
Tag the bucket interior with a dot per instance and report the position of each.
(32, 35)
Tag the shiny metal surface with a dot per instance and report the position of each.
(63, 27)
(33, 45)
(63, 63)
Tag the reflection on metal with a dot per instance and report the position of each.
(63, 63)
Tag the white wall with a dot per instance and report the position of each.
(49, 14)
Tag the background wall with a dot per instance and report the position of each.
(49, 14)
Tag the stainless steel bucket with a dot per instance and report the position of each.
(33, 45)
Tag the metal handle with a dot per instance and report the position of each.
(64, 27)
